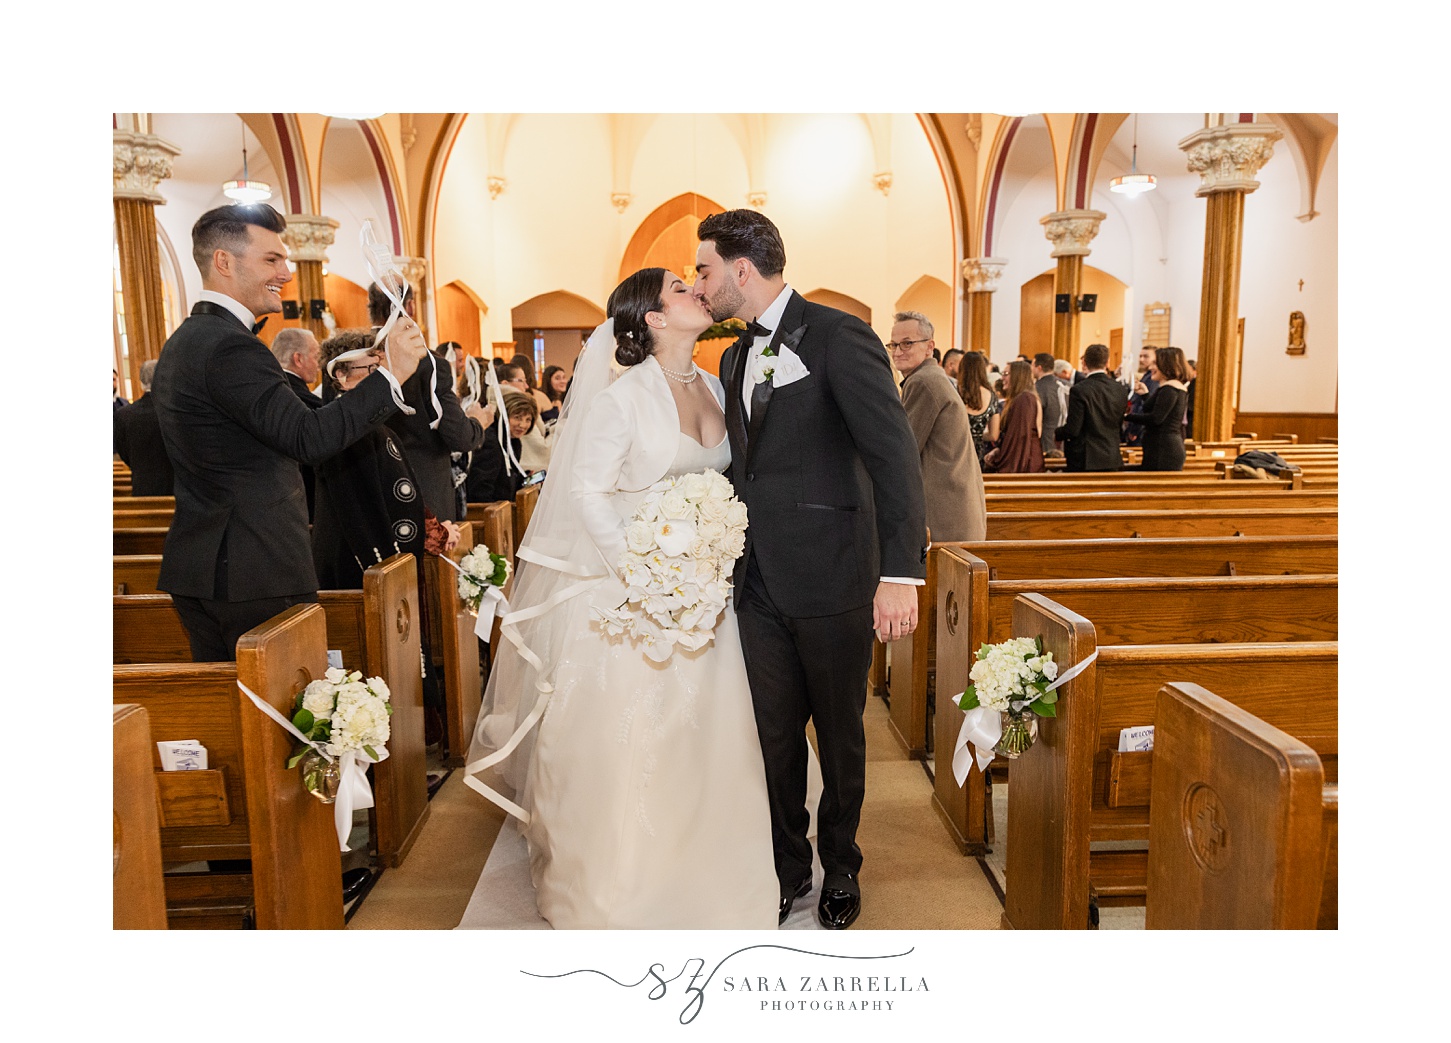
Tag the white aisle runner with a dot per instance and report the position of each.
(503, 899)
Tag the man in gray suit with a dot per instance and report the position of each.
(1046, 384)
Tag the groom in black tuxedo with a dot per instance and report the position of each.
(824, 459)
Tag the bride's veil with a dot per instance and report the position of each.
(557, 562)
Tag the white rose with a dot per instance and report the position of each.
(673, 504)
(649, 510)
(639, 536)
(714, 509)
(712, 530)
(736, 514)
(696, 486)
(733, 544)
(700, 548)
(335, 676)
(720, 485)
(317, 698)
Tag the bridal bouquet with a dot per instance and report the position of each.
(680, 549)
(344, 715)
(1012, 680)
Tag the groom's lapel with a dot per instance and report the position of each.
(790, 320)
(735, 412)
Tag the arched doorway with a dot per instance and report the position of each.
(551, 328)
(933, 298)
(1104, 325)
(841, 302)
(460, 313)
(666, 238)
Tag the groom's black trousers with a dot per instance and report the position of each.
(808, 669)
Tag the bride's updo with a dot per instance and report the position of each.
(628, 305)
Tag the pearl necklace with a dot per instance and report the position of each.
(681, 378)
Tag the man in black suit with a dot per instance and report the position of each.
(137, 436)
(1095, 414)
(238, 550)
(438, 426)
(300, 356)
(825, 461)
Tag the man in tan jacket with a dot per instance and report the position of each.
(951, 478)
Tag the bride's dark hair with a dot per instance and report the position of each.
(628, 305)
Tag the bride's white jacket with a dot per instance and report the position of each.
(630, 438)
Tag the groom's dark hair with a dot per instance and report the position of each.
(225, 228)
(748, 234)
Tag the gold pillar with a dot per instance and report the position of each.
(307, 237)
(981, 275)
(139, 163)
(1226, 157)
(1070, 232)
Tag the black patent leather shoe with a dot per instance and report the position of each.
(841, 902)
(802, 890)
(355, 881)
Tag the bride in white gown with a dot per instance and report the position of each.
(640, 785)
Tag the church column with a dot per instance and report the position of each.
(139, 163)
(415, 270)
(1070, 232)
(981, 275)
(307, 237)
(1226, 158)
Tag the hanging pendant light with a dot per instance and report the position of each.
(246, 190)
(1133, 183)
(352, 115)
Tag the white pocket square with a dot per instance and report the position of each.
(788, 368)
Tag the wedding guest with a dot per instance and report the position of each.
(1046, 384)
(951, 476)
(556, 383)
(116, 400)
(1162, 417)
(1193, 367)
(1020, 449)
(1095, 413)
(1064, 371)
(984, 411)
(951, 361)
(298, 352)
(1142, 384)
(137, 438)
(492, 474)
(430, 434)
(525, 363)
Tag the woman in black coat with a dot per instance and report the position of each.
(492, 473)
(1163, 413)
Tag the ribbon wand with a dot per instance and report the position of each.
(385, 272)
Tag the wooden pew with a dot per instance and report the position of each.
(142, 518)
(138, 896)
(912, 673)
(525, 500)
(247, 804)
(494, 522)
(148, 540)
(1073, 788)
(375, 630)
(1127, 610)
(135, 573)
(1242, 827)
(1228, 497)
(144, 503)
(1112, 524)
(455, 650)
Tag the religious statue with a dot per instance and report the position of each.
(1297, 334)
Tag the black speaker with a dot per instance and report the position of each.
(316, 307)
(1063, 303)
(1088, 302)
(290, 310)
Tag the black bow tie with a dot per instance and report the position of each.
(755, 329)
(257, 326)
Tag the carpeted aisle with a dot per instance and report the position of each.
(913, 877)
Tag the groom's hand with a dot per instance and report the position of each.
(894, 611)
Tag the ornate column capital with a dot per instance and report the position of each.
(1070, 231)
(982, 273)
(620, 200)
(1227, 158)
(307, 236)
(414, 269)
(139, 163)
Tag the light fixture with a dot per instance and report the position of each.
(246, 190)
(1133, 184)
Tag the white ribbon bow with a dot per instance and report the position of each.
(380, 262)
(354, 793)
(982, 728)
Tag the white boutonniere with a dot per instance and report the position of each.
(783, 367)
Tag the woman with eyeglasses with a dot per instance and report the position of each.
(368, 506)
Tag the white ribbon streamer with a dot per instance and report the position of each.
(982, 728)
(354, 793)
(501, 422)
(382, 270)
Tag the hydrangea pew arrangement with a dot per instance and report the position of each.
(1012, 682)
(681, 546)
